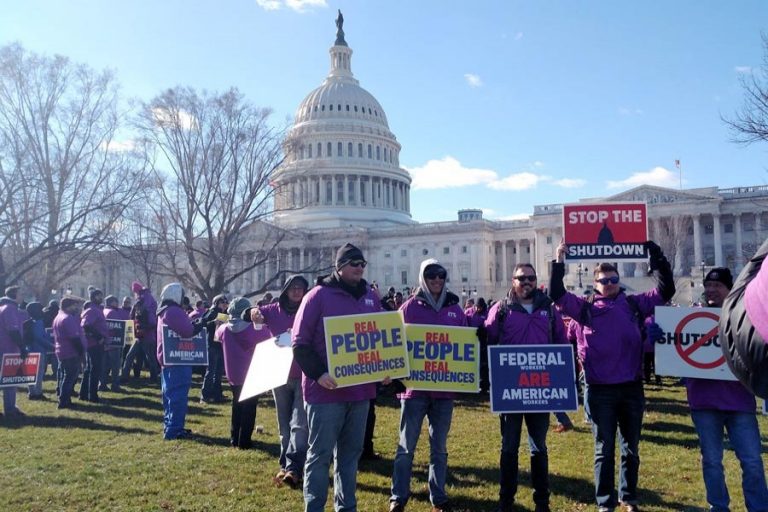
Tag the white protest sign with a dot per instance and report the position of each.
(691, 345)
(269, 367)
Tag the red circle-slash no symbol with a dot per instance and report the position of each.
(686, 353)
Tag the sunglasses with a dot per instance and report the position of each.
(606, 280)
(440, 274)
(355, 264)
(523, 279)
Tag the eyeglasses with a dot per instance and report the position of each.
(523, 279)
(606, 280)
(440, 274)
(355, 264)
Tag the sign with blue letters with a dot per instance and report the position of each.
(178, 351)
(532, 378)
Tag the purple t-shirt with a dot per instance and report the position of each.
(720, 395)
(523, 328)
(66, 332)
(10, 321)
(92, 320)
(238, 349)
(308, 329)
(278, 321)
(177, 321)
(417, 311)
(611, 347)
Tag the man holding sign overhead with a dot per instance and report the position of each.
(526, 316)
(432, 304)
(610, 346)
(336, 416)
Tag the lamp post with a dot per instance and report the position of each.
(581, 270)
(703, 267)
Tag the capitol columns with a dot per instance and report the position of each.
(334, 190)
(370, 191)
(739, 260)
(346, 190)
(696, 221)
(718, 239)
(504, 262)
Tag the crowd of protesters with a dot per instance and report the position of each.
(612, 333)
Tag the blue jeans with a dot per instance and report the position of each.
(36, 389)
(292, 424)
(616, 405)
(336, 429)
(439, 412)
(94, 361)
(511, 429)
(9, 400)
(111, 366)
(744, 436)
(68, 370)
(563, 419)
(175, 382)
(212, 380)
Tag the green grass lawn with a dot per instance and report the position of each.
(112, 456)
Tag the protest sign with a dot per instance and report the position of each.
(16, 371)
(443, 358)
(130, 333)
(691, 344)
(366, 348)
(532, 378)
(605, 231)
(178, 351)
(269, 368)
(116, 338)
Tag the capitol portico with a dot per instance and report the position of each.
(342, 181)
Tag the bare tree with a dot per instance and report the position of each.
(671, 234)
(64, 185)
(750, 123)
(216, 155)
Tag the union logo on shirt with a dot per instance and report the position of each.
(451, 314)
(369, 302)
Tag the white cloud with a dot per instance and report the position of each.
(473, 80)
(449, 173)
(518, 181)
(488, 212)
(570, 182)
(538, 163)
(183, 119)
(118, 146)
(515, 216)
(628, 111)
(743, 69)
(518, 36)
(658, 176)
(295, 5)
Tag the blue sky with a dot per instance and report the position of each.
(498, 105)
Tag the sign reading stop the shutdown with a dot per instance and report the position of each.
(605, 231)
(691, 345)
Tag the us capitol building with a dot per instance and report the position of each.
(342, 181)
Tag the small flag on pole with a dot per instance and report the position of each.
(677, 163)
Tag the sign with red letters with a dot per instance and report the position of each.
(605, 231)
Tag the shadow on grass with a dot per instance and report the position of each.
(669, 427)
(665, 406)
(67, 422)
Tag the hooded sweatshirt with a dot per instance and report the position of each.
(239, 339)
(10, 326)
(68, 336)
(279, 317)
(144, 314)
(94, 325)
(518, 327)
(419, 309)
(331, 297)
(172, 315)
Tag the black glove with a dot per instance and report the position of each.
(654, 251)
(24, 352)
(398, 386)
(656, 258)
(481, 333)
(655, 332)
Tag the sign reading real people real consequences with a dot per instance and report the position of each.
(691, 344)
(443, 358)
(605, 231)
(532, 378)
(366, 348)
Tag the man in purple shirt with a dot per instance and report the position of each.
(69, 345)
(96, 333)
(610, 347)
(11, 342)
(717, 405)
(526, 316)
(336, 416)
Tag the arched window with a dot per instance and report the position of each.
(355, 108)
(359, 150)
(322, 107)
(319, 150)
(309, 148)
(370, 151)
(350, 152)
(315, 108)
(385, 153)
(329, 149)
(339, 149)
(328, 192)
(330, 107)
(339, 108)
(378, 152)
(301, 153)
(347, 108)
(369, 110)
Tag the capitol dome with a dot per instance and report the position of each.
(342, 165)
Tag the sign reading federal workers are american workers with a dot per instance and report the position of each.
(443, 358)
(178, 351)
(366, 348)
(119, 333)
(532, 378)
(605, 231)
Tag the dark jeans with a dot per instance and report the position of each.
(243, 419)
(212, 380)
(370, 426)
(94, 363)
(511, 429)
(616, 405)
(67, 377)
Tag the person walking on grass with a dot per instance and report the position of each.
(526, 316)
(70, 346)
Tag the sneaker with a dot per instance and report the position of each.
(630, 507)
(396, 506)
(443, 507)
(292, 479)
(560, 428)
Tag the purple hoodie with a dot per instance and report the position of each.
(145, 324)
(416, 310)
(10, 321)
(239, 339)
(475, 318)
(66, 332)
(610, 347)
(93, 321)
(278, 321)
(308, 329)
(172, 315)
(523, 328)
